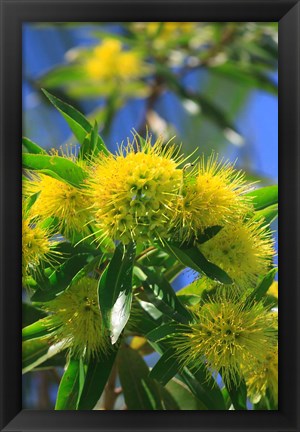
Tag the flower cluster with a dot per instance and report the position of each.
(76, 319)
(37, 244)
(110, 61)
(147, 194)
(134, 193)
(226, 335)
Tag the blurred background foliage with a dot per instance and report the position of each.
(212, 85)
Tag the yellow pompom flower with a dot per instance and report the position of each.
(226, 335)
(108, 61)
(211, 195)
(263, 377)
(77, 321)
(244, 250)
(60, 200)
(134, 192)
(37, 246)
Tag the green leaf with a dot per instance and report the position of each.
(29, 146)
(166, 367)
(92, 144)
(38, 329)
(162, 295)
(204, 388)
(115, 290)
(262, 288)
(68, 390)
(140, 392)
(98, 371)
(63, 276)
(37, 351)
(208, 234)
(184, 398)
(60, 168)
(238, 395)
(165, 330)
(264, 197)
(30, 314)
(79, 125)
(62, 75)
(268, 214)
(194, 259)
(31, 200)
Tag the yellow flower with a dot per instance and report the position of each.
(211, 195)
(60, 200)
(37, 246)
(226, 335)
(134, 192)
(108, 62)
(263, 377)
(244, 250)
(77, 321)
(273, 290)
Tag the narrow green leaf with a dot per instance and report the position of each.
(268, 214)
(204, 388)
(184, 398)
(162, 295)
(262, 288)
(91, 145)
(55, 166)
(164, 331)
(166, 367)
(79, 125)
(264, 197)
(115, 290)
(29, 146)
(37, 351)
(140, 392)
(238, 395)
(68, 390)
(38, 329)
(194, 259)
(97, 374)
(31, 314)
(61, 277)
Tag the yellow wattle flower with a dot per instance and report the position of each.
(77, 321)
(134, 192)
(211, 195)
(60, 200)
(37, 246)
(226, 335)
(263, 377)
(244, 250)
(109, 61)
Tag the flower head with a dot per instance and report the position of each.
(77, 319)
(37, 245)
(211, 195)
(109, 61)
(134, 192)
(244, 250)
(263, 377)
(59, 200)
(226, 335)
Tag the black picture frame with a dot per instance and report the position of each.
(13, 14)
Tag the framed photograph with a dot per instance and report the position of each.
(141, 248)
